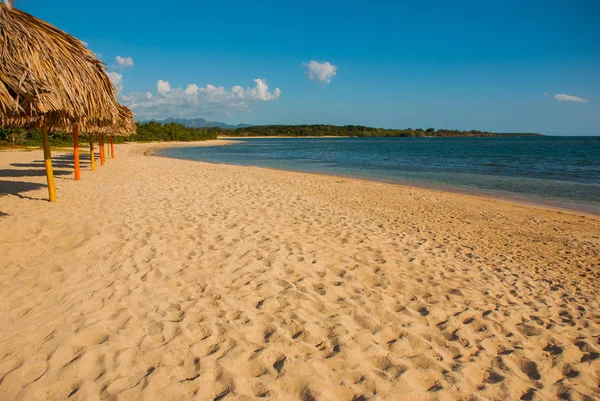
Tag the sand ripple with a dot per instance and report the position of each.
(159, 279)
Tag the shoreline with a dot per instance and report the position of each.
(283, 137)
(558, 206)
(157, 146)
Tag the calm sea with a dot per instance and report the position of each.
(559, 171)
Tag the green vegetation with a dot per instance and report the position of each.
(354, 131)
(155, 131)
(22, 137)
(146, 132)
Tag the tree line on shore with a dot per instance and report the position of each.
(156, 131)
(357, 131)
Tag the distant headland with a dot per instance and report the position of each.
(200, 129)
(358, 131)
(247, 130)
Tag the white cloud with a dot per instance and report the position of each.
(568, 98)
(192, 90)
(194, 101)
(163, 87)
(260, 91)
(320, 71)
(116, 79)
(124, 62)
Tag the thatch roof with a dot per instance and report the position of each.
(47, 72)
(124, 126)
(125, 122)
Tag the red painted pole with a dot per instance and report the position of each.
(112, 147)
(76, 151)
(101, 143)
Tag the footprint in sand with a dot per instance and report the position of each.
(278, 365)
(530, 369)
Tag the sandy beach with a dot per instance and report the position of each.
(163, 279)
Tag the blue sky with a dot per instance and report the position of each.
(495, 66)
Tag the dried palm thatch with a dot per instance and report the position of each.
(124, 126)
(45, 72)
(125, 122)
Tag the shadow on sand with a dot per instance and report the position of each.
(62, 164)
(61, 161)
(30, 173)
(17, 188)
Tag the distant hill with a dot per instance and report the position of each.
(201, 123)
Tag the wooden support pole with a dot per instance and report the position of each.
(112, 146)
(76, 151)
(48, 163)
(92, 156)
(101, 149)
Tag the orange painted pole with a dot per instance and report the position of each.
(112, 147)
(76, 151)
(101, 150)
(92, 156)
(48, 163)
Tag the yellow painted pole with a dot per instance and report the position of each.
(76, 151)
(48, 163)
(112, 146)
(92, 156)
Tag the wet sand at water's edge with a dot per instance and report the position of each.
(164, 279)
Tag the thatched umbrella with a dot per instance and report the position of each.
(49, 78)
(124, 126)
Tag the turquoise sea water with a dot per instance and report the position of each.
(559, 171)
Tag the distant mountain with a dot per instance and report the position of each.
(201, 123)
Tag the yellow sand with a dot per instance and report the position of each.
(161, 279)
